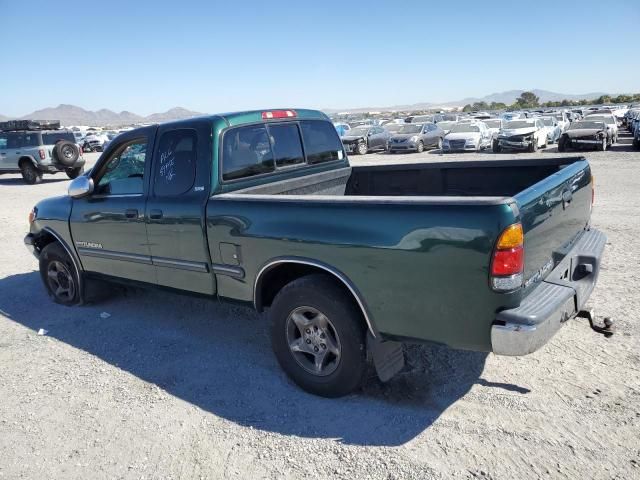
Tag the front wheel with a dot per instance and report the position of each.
(439, 147)
(496, 147)
(420, 147)
(59, 275)
(636, 144)
(534, 145)
(318, 336)
(562, 144)
(603, 145)
(362, 148)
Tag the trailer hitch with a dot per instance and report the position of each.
(607, 326)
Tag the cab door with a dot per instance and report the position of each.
(175, 211)
(108, 226)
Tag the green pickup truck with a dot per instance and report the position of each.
(263, 208)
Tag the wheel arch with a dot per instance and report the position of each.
(46, 236)
(277, 273)
(27, 158)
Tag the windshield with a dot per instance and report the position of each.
(446, 125)
(606, 119)
(410, 128)
(422, 119)
(357, 132)
(492, 123)
(393, 127)
(585, 124)
(548, 121)
(519, 124)
(464, 127)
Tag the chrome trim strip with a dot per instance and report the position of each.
(357, 199)
(111, 255)
(326, 268)
(181, 264)
(228, 270)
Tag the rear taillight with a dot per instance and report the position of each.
(279, 114)
(42, 154)
(507, 264)
(80, 149)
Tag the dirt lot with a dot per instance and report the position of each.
(172, 387)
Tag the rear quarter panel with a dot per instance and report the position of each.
(422, 270)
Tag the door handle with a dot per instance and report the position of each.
(155, 214)
(567, 196)
(131, 213)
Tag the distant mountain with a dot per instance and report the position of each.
(73, 115)
(503, 97)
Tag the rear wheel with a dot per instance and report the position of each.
(30, 174)
(318, 336)
(74, 172)
(59, 275)
(562, 144)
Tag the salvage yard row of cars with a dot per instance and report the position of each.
(595, 128)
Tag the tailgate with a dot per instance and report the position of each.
(554, 212)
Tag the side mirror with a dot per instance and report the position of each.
(80, 187)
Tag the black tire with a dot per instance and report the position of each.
(636, 144)
(534, 145)
(496, 147)
(30, 174)
(362, 148)
(74, 172)
(562, 144)
(420, 147)
(305, 296)
(59, 275)
(66, 153)
(439, 144)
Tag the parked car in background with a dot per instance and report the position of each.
(494, 125)
(361, 123)
(416, 137)
(471, 136)
(522, 134)
(421, 119)
(586, 133)
(610, 120)
(34, 147)
(563, 120)
(553, 128)
(636, 139)
(365, 139)
(94, 142)
(508, 116)
(79, 138)
(342, 128)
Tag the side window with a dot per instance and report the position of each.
(28, 140)
(124, 171)
(286, 145)
(246, 151)
(321, 141)
(3, 141)
(13, 140)
(175, 159)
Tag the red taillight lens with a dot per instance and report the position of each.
(508, 262)
(80, 148)
(42, 154)
(279, 114)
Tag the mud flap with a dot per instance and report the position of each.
(388, 357)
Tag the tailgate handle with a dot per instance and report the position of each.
(567, 196)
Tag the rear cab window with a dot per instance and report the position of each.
(269, 147)
(175, 169)
(50, 138)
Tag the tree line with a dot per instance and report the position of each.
(530, 100)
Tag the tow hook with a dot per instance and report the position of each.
(606, 328)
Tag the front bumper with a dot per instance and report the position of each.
(558, 298)
(466, 148)
(404, 146)
(515, 145)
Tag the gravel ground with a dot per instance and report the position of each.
(174, 387)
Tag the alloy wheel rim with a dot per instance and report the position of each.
(313, 341)
(60, 281)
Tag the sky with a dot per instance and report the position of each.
(212, 56)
